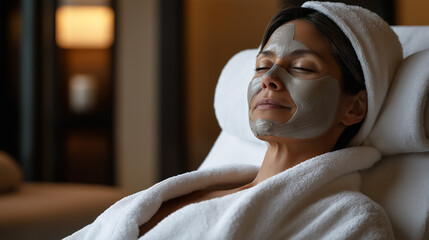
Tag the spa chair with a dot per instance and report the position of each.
(400, 181)
(30, 210)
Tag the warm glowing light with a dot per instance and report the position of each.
(84, 26)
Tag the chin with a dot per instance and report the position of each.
(281, 118)
(272, 139)
(269, 138)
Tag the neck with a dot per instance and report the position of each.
(283, 154)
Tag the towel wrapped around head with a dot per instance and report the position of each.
(377, 48)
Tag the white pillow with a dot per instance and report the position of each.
(413, 38)
(403, 125)
(230, 100)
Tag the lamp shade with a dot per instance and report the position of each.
(84, 26)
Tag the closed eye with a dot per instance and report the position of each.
(302, 69)
(261, 69)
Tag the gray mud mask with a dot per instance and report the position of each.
(315, 100)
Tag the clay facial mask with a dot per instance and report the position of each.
(315, 100)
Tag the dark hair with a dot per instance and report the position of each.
(353, 80)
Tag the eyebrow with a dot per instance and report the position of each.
(295, 53)
(266, 53)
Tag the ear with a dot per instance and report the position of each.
(356, 109)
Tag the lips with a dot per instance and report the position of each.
(269, 104)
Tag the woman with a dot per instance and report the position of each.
(318, 75)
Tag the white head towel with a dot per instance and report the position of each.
(377, 48)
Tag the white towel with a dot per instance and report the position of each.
(403, 125)
(316, 199)
(377, 48)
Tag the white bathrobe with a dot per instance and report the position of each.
(317, 199)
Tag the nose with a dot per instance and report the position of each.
(272, 83)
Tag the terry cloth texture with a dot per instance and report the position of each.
(317, 199)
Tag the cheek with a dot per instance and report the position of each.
(255, 86)
(252, 104)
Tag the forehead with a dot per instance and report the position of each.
(282, 41)
(298, 34)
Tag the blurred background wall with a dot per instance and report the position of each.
(140, 108)
(137, 94)
(214, 31)
(412, 12)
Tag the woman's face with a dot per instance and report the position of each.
(297, 84)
